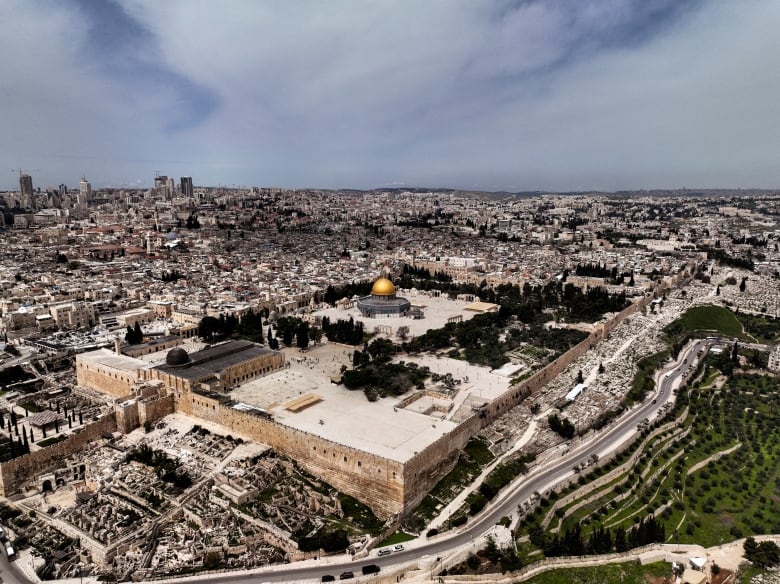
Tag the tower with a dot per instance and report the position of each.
(85, 193)
(25, 185)
(163, 185)
(25, 191)
(186, 186)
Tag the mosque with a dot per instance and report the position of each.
(383, 302)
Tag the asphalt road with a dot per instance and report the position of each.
(8, 572)
(539, 480)
(472, 533)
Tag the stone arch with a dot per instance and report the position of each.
(46, 487)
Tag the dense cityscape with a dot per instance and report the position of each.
(390, 292)
(199, 379)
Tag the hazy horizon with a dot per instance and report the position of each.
(532, 95)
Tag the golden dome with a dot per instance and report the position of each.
(383, 287)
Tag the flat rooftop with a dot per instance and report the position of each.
(108, 358)
(346, 417)
(336, 413)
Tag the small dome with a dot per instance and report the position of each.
(177, 357)
(383, 287)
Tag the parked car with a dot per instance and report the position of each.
(384, 552)
(370, 569)
(327, 578)
(398, 547)
(346, 575)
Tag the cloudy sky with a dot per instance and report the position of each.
(495, 95)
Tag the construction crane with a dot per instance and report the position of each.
(22, 172)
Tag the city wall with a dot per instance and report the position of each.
(105, 379)
(389, 487)
(518, 392)
(425, 469)
(151, 410)
(374, 480)
(15, 473)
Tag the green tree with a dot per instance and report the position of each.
(765, 554)
(302, 335)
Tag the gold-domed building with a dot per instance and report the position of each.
(383, 301)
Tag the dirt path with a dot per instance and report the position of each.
(712, 458)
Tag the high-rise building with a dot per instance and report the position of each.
(25, 185)
(164, 185)
(85, 187)
(85, 193)
(186, 186)
(26, 191)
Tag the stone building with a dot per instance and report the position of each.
(108, 372)
(383, 301)
(774, 359)
(74, 315)
(218, 368)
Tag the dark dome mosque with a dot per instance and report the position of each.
(177, 357)
(383, 302)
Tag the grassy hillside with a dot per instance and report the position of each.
(712, 318)
(628, 573)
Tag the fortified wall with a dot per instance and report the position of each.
(425, 469)
(374, 480)
(105, 376)
(389, 487)
(15, 473)
(517, 393)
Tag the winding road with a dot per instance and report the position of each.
(539, 480)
